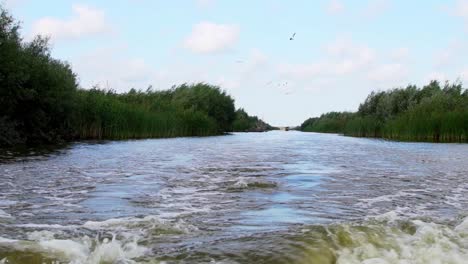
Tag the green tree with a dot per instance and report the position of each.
(36, 91)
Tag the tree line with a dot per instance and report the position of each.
(246, 123)
(435, 112)
(41, 102)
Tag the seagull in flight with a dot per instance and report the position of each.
(292, 37)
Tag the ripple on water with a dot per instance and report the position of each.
(265, 198)
(303, 181)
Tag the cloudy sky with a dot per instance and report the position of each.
(343, 49)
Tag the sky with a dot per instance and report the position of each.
(342, 50)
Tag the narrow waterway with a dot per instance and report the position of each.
(276, 197)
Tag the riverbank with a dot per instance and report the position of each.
(433, 113)
(246, 123)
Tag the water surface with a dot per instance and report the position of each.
(276, 197)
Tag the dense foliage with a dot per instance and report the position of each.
(36, 91)
(187, 110)
(245, 123)
(327, 123)
(41, 103)
(434, 112)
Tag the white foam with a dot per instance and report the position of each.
(80, 251)
(385, 198)
(113, 222)
(46, 226)
(148, 222)
(26, 214)
(114, 251)
(6, 215)
(240, 183)
(391, 216)
(462, 228)
(41, 235)
(430, 243)
(71, 250)
(246, 182)
(7, 240)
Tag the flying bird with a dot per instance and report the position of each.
(292, 37)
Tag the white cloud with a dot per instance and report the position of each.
(443, 57)
(248, 71)
(345, 51)
(205, 3)
(343, 56)
(227, 83)
(209, 37)
(105, 67)
(450, 55)
(461, 9)
(399, 54)
(376, 7)
(310, 70)
(464, 75)
(439, 76)
(394, 72)
(257, 59)
(86, 21)
(335, 7)
(11, 3)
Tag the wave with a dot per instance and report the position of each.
(414, 241)
(244, 183)
(116, 240)
(77, 251)
(384, 239)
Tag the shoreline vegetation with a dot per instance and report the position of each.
(433, 113)
(245, 123)
(41, 102)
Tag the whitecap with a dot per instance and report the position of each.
(80, 250)
(41, 235)
(46, 226)
(7, 240)
(148, 222)
(427, 243)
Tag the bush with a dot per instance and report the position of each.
(432, 113)
(36, 91)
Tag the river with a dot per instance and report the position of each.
(276, 197)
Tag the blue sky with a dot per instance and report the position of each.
(343, 49)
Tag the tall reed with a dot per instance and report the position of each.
(432, 113)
